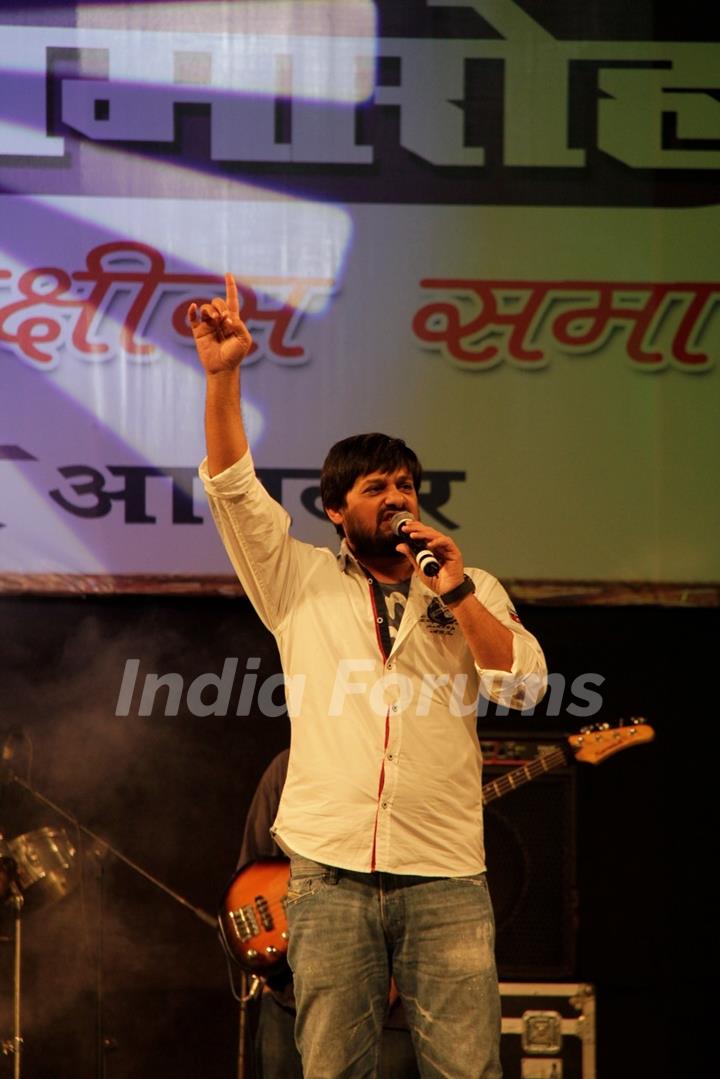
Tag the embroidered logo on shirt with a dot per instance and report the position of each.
(438, 619)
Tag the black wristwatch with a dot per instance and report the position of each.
(465, 588)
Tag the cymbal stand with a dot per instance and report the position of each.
(100, 845)
(101, 1039)
(13, 1046)
(103, 844)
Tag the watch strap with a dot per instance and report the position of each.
(465, 588)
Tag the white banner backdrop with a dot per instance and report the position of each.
(552, 360)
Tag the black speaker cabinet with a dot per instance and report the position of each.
(530, 852)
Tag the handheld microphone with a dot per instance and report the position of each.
(426, 560)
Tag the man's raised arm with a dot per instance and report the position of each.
(222, 341)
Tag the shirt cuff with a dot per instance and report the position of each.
(233, 481)
(521, 687)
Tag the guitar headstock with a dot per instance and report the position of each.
(595, 744)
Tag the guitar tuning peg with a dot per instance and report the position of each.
(603, 726)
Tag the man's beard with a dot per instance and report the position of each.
(370, 545)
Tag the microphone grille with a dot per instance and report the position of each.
(399, 519)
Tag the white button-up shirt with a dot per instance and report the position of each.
(385, 767)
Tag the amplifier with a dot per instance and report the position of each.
(511, 750)
(530, 847)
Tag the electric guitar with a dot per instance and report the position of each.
(252, 918)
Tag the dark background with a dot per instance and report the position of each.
(171, 793)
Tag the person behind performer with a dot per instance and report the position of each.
(381, 812)
(275, 1053)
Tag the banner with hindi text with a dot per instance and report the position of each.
(488, 227)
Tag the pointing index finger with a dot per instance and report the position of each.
(232, 294)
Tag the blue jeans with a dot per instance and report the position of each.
(276, 1056)
(349, 931)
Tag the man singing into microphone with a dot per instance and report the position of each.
(381, 813)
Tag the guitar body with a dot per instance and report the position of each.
(252, 915)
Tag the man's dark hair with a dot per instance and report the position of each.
(357, 456)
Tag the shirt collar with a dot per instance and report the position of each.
(346, 559)
(347, 562)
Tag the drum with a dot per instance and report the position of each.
(46, 866)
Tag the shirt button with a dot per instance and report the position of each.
(384, 805)
(389, 666)
(389, 756)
